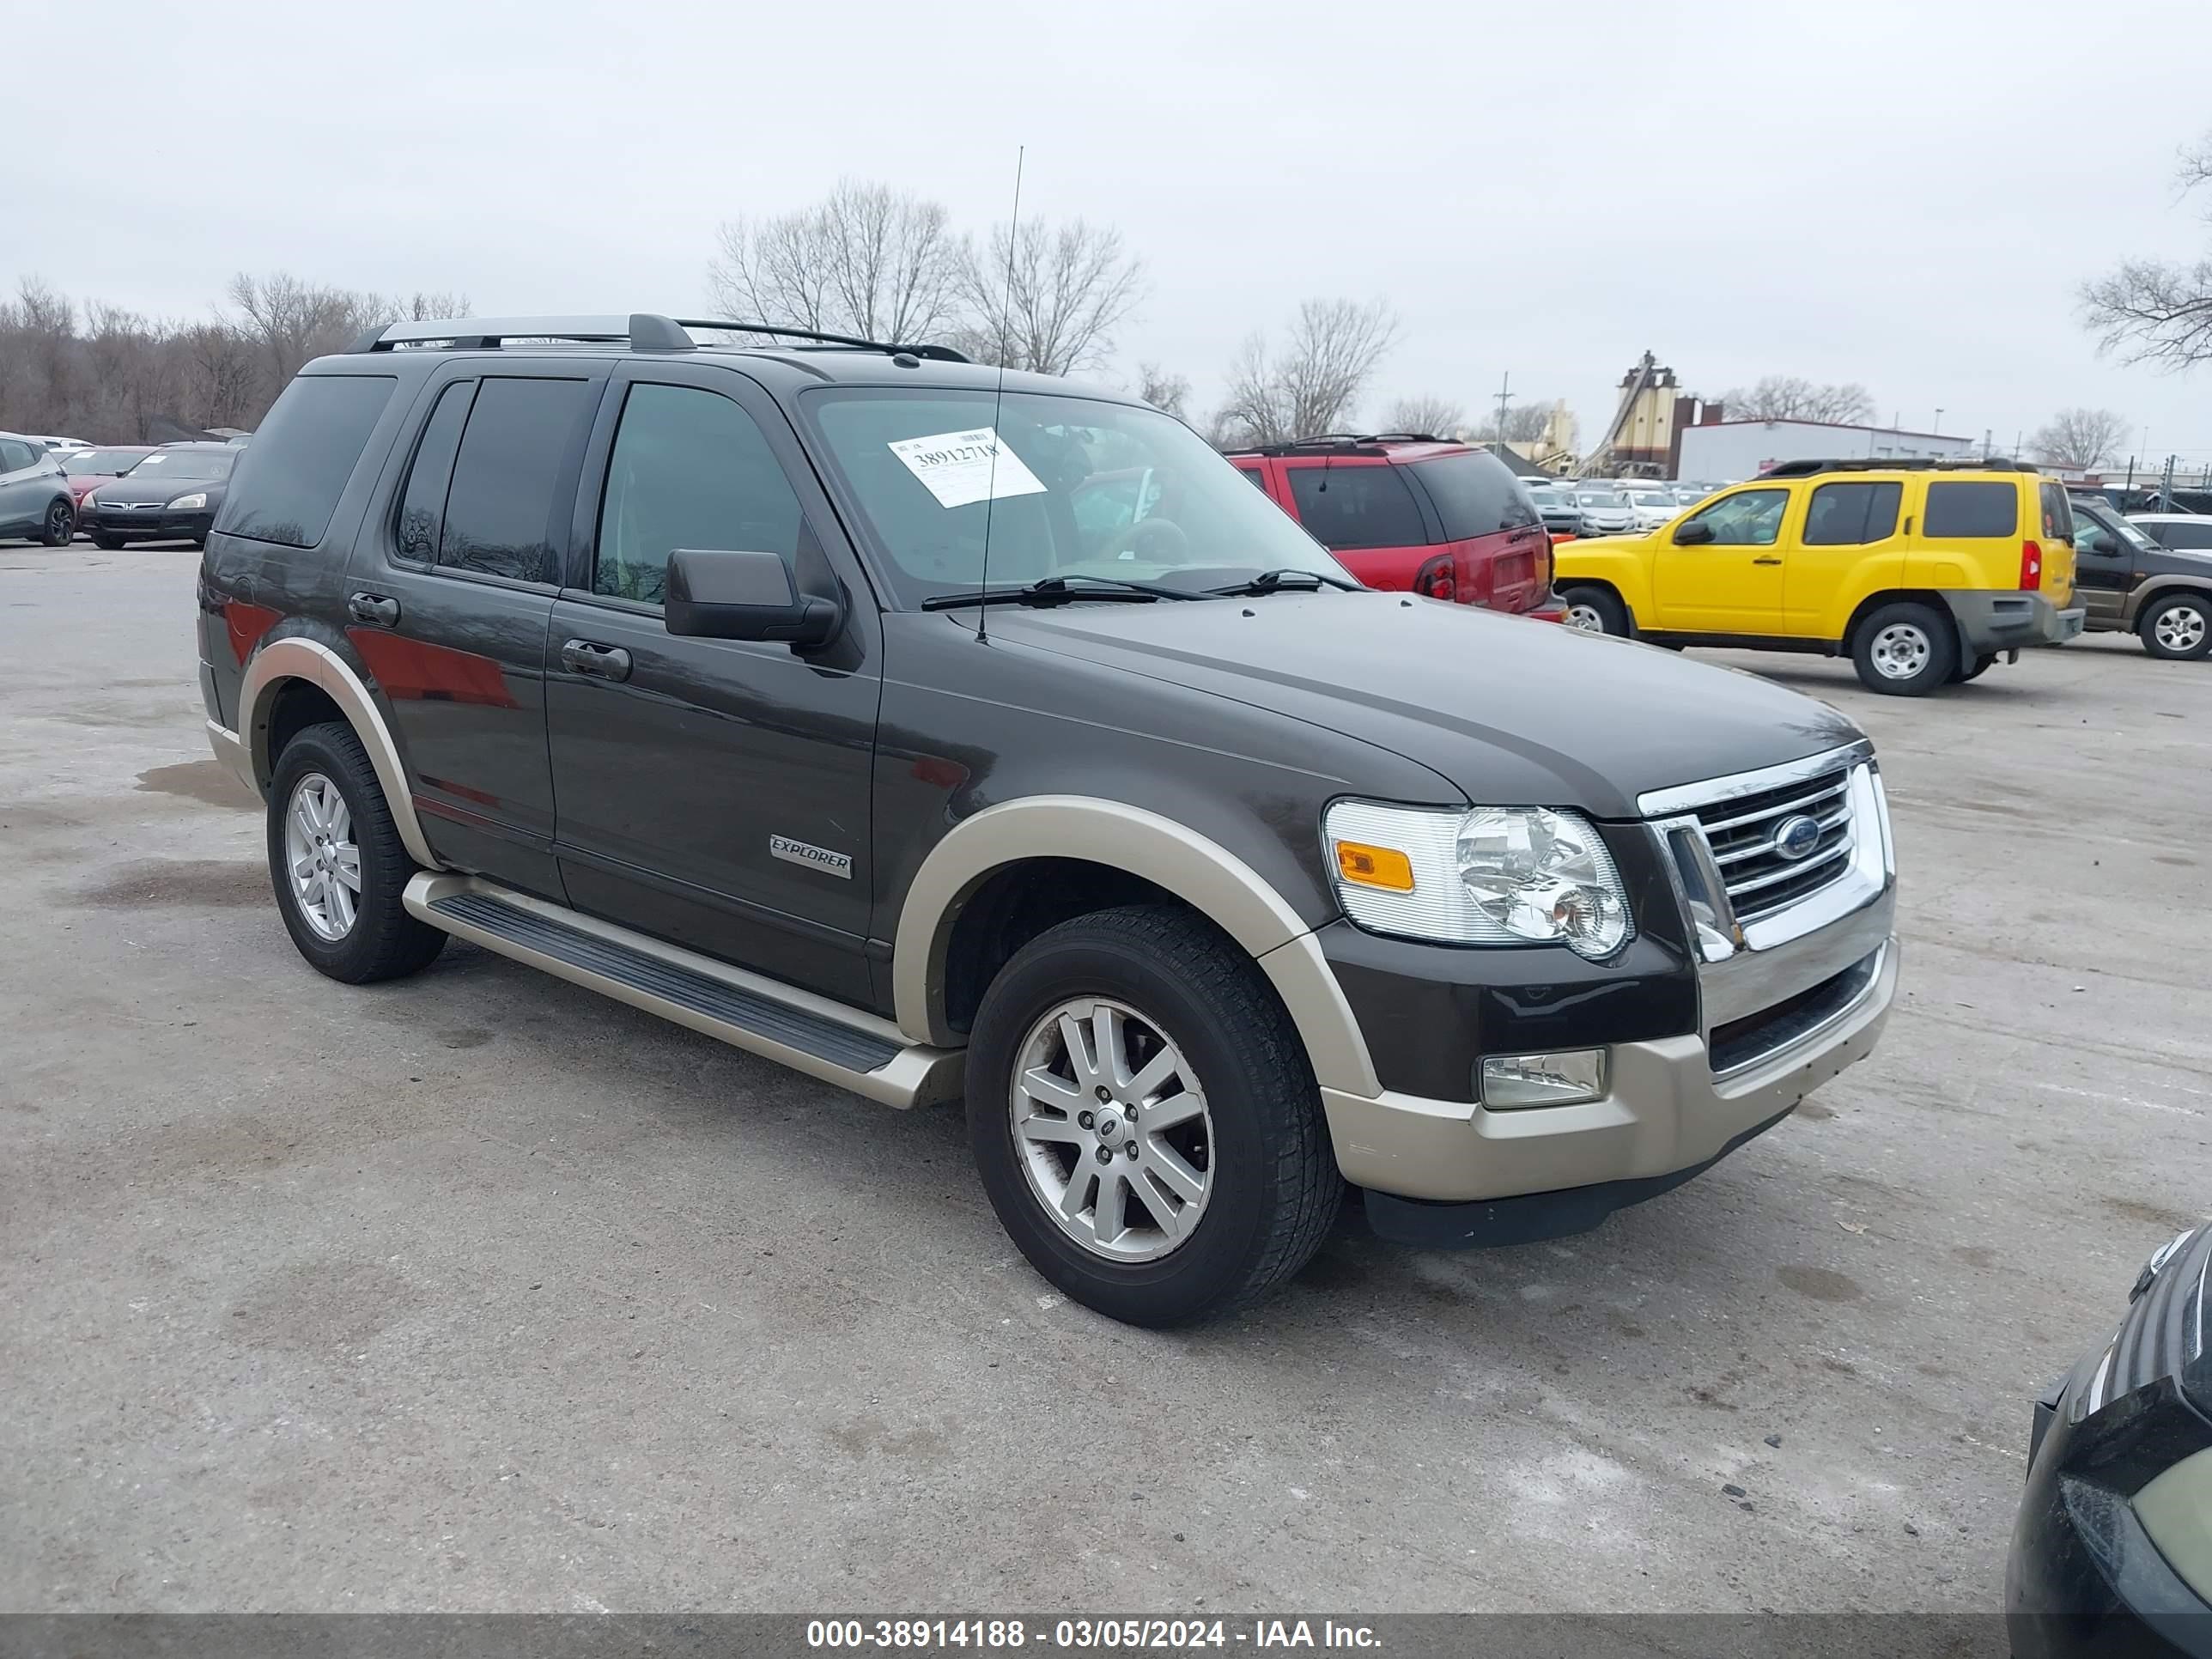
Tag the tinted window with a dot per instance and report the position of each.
(1258, 478)
(1474, 494)
(422, 504)
(690, 469)
(13, 456)
(2057, 514)
(304, 450)
(2188, 535)
(1842, 513)
(1366, 506)
(1972, 509)
(500, 507)
(1750, 518)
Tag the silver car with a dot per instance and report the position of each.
(1605, 512)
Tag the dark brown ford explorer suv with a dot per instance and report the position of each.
(786, 692)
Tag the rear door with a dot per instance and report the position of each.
(449, 597)
(1364, 511)
(1849, 546)
(1733, 583)
(714, 792)
(1501, 555)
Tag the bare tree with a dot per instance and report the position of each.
(1048, 298)
(1440, 418)
(293, 321)
(1791, 397)
(1313, 385)
(1163, 390)
(866, 260)
(2149, 311)
(2080, 438)
(1524, 425)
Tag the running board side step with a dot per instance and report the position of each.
(825, 1039)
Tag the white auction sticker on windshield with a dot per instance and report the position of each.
(960, 468)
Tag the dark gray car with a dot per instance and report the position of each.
(790, 693)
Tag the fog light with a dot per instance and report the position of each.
(1562, 1077)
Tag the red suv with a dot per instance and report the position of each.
(1417, 513)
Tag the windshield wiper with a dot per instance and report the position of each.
(1058, 590)
(1285, 580)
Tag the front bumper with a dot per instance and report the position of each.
(158, 526)
(1991, 621)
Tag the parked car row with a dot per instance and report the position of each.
(51, 488)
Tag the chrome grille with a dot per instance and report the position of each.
(1740, 832)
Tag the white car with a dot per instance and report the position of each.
(1652, 507)
(59, 445)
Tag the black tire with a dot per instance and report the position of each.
(2186, 618)
(1917, 632)
(1603, 603)
(58, 527)
(384, 942)
(1276, 1189)
(1975, 670)
(107, 544)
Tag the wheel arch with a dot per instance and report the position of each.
(265, 718)
(1138, 851)
(1882, 596)
(2158, 587)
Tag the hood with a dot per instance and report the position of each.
(1510, 711)
(155, 487)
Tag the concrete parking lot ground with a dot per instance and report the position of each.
(479, 1291)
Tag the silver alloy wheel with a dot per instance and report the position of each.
(2180, 628)
(320, 857)
(1901, 650)
(1112, 1130)
(1585, 617)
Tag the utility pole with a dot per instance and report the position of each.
(1504, 395)
(1938, 419)
(1986, 435)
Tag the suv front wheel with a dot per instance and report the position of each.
(337, 863)
(1145, 1118)
(1905, 650)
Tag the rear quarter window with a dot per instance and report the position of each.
(1474, 496)
(1967, 510)
(289, 478)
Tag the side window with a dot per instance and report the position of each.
(422, 503)
(1362, 506)
(13, 456)
(1750, 518)
(1972, 509)
(1256, 476)
(290, 478)
(1843, 514)
(500, 507)
(2189, 535)
(2058, 514)
(690, 469)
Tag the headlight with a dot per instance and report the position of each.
(91, 498)
(186, 503)
(1497, 875)
(2176, 1510)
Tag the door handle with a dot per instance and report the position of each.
(1766, 559)
(373, 609)
(601, 662)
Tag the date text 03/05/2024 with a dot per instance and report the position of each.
(1086, 1634)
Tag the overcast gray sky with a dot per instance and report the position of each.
(1902, 195)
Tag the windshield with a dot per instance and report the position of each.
(1078, 489)
(102, 462)
(206, 465)
(1548, 498)
(2133, 534)
(1600, 498)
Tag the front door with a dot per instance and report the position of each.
(2104, 569)
(449, 602)
(1732, 583)
(713, 792)
(23, 491)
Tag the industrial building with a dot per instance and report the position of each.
(1722, 451)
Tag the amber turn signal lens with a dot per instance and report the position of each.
(1375, 867)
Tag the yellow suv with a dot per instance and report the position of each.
(1922, 572)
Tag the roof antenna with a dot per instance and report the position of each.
(998, 402)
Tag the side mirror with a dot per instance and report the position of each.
(1698, 529)
(717, 594)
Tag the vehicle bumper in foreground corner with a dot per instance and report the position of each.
(1454, 1174)
(1990, 622)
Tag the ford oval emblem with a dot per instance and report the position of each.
(1795, 838)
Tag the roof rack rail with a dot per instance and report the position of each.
(641, 331)
(1904, 463)
(1345, 443)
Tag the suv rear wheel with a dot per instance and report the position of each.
(2178, 627)
(1905, 650)
(1145, 1118)
(1595, 611)
(337, 863)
